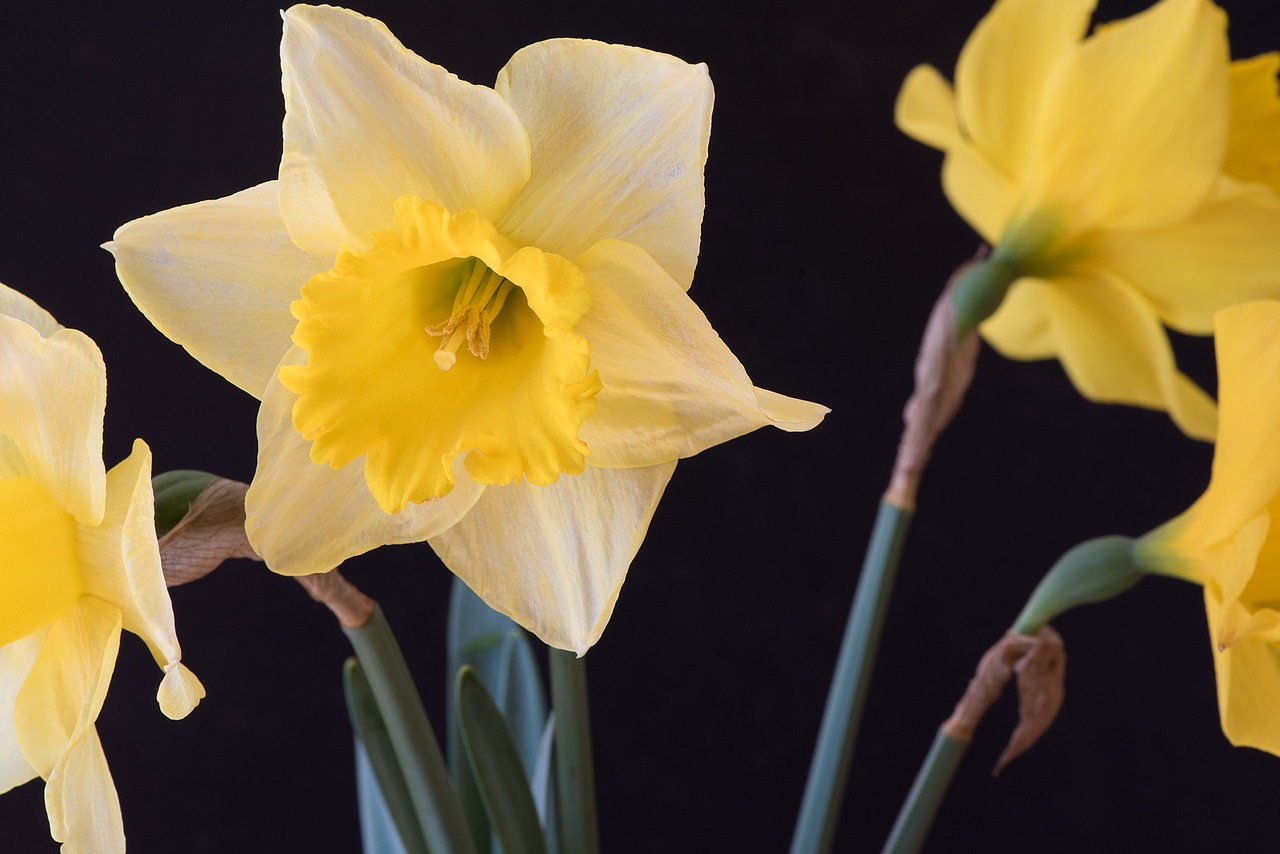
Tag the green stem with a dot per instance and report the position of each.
(425, 774)
(824, 789)
(921, 805)
(575, 779)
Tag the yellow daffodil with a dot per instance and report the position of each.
(464, 312)
(78, 562)
(1127, 179)
(1229, 541)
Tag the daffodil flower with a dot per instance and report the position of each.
(78, 562)
(464, 310)
(1129, 178)
(1229, 541)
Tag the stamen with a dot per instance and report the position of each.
(466, 292)
(473, 315)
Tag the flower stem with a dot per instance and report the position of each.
(926, 794)
(575, 778)
(425, 774)
(829, 768)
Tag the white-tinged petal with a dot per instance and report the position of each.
(53, 392)
(619, 141)
(305, 518)
(21, 306)
(121, 562)
(368, 121)
(553, 558)
(15, 663)
(671, 386)
(63, 693)
(81, 799)
(218, 277)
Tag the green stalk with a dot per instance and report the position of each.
(921, 805)
(829, 768)
(575, 779)
(425, 774)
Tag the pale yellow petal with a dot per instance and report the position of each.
(15, 304)
(1021, 327)
(52, 397)
(926, 109)
(619, 140)
(368, 121)
(63, 693)
(1227, 252)
(1246, 463)
(305, 518)
(1109, 341)
(16, 659)
(84, 810)
(217, 277)
(121, 561)
(180, 691)
(671, 387)
(553, 558)
(1003, 69)
(1135, 121)
(1248, 676)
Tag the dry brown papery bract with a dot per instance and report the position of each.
(944, 369)
(1040, 663)
(211, 532)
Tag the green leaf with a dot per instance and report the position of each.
(521, 697)
(497, 767)
(384, 797)
(378, 833)
(175, 491)
(475, 637)
(444, 826)
(543, 785)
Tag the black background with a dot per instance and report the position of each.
(825, 241)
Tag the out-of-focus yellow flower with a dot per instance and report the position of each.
(490, 344)
(78, 561)
(1229, 541)
(1130, 178)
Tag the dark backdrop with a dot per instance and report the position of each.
(825, 241)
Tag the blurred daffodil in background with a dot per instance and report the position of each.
(1229, 540)
(464, 310)
(1126, 179)
(78, 562)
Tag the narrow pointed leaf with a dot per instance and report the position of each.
(378, 833)
(521, 697)
(382, 791)
(444, 826)
(497, 767)
(475, 637)
(541, 783)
